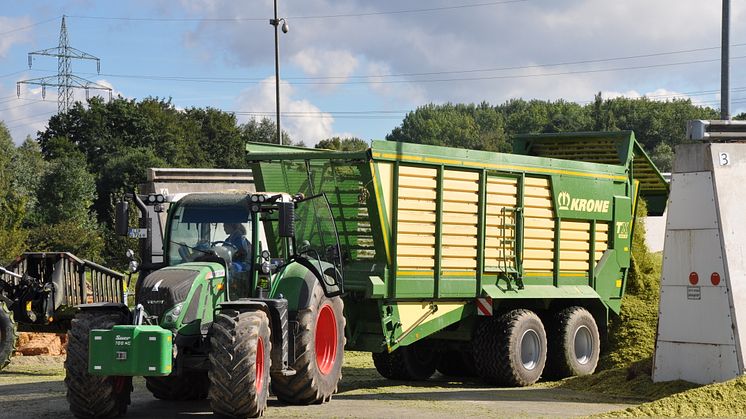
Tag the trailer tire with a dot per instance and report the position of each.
(319, 352)
(511, 349)
(240, 349)
(93, 396)
(574, 343)
(457, 364)
(190, 386)
(415, 362)
(8, 335)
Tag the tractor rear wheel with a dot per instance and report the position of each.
(511, 349)
(190, 386)
(319, 352)
(93, 396)
(457, 364)
(8, 335)
(574, 343)
(240, 350)
(415, 362)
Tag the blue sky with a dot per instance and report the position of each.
(356, 67)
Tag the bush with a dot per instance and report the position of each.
(67, 236)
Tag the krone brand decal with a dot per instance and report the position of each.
(567, 203)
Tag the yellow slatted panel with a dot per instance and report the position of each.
(537, 181)
(571, 265)
(538, 244)
(416, 217)
(416, 204)
(460, 210)
(537, 265)
(459, 230)
(501, 194)
(460, 264)
(461, 175)
(417, 228)
(414, 193)
(538, 213)
(415, 239)
(537, 192)
(540, 223)
(460, 207)
(538, 233)
(415, 263)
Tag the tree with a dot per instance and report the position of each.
(67, 191)
(12, 205)
(343, 144)
(264, 131)
(28, 166)
(662, 156)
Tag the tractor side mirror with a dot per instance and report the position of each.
(122, 218)
(287, 219)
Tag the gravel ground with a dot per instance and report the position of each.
(33, 387)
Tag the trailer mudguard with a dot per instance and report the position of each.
(104, 307)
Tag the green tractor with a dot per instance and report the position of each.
(247, 298)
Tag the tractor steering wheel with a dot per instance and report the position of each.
(224, 243)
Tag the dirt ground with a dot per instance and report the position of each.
(33, 387)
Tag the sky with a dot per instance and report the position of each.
(355, 68)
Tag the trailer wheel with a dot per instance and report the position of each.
(93, 396)
(190, 386)
(457, 364)
(574, 343)
(319, 352)
(8, 335)
(240, 350)
(415, 362)
(511, 349)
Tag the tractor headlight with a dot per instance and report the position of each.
(173, 314)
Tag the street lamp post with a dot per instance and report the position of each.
(276, 22)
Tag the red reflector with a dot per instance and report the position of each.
(715, 278)
(693, 278)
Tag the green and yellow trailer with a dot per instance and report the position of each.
(464, 261)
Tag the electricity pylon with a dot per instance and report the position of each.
(66, 82)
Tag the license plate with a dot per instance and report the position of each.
(121, 356)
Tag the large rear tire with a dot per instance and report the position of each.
(415, 362)
(93, 396)
(240, 350)
(574, 343)
(8, 335)
(319, 352)
(190, 386)
(511, 349)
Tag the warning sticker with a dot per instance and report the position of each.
(693, 293)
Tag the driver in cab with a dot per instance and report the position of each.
(237, 238)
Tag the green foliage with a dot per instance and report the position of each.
(343, 144)
(28, 166)
(12, 204)
(66, 192)
(264, 131)
(67, 236)
(662, 157)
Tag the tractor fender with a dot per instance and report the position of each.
(246, 305)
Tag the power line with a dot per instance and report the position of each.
(29, 26)
(31, 116)
(331, 16)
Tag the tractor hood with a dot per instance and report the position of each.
(165, 288)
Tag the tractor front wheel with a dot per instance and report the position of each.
(93, 396)
(8, 335)
(319, 352)
(240, 349)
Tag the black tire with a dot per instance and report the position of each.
(457, 364)
(190, 386)
(93, 396)
(415, 362)
(240, 348)
(8, 335)
(319, 352)
(511, 349)
(574, 343)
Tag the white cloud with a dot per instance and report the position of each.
(9, 39)
(304, 121)
(326, 63)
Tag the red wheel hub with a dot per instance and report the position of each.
(326, 339)
(259, 381)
